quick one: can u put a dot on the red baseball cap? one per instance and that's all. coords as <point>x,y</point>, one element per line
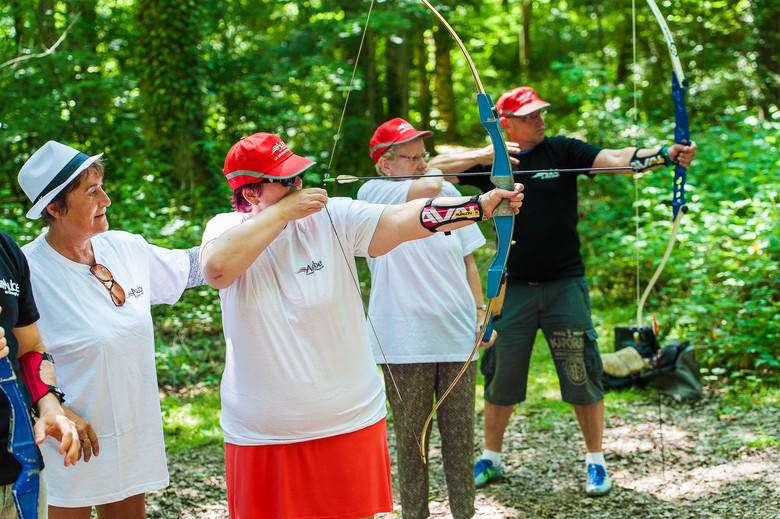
<point>259,156</point>
<point>519,101</point>
<point>394,131</point>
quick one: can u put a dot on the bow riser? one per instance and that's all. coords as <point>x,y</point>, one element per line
<point>681,136</point>
<point>21,445</point>
<point>503,217</point>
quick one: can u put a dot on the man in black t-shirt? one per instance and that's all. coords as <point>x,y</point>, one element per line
<point>19,333</point>
<point>546,286</point>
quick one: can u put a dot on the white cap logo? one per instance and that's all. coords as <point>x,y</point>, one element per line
<point>405,127</point>
<point>278,150</point>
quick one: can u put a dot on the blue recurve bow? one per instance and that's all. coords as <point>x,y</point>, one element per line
<point>21,445</point>
<point>503,216</point>
<point>681,136</point>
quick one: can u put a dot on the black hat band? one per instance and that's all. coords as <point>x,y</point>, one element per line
<point>63,175</point>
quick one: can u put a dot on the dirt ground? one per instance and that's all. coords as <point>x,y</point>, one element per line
<point>714,465</point>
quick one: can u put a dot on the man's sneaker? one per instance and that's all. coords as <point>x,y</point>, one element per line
<point>598,481</point>
<point>484,471</point>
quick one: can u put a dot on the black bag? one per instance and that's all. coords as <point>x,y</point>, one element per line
<point>677,372</point>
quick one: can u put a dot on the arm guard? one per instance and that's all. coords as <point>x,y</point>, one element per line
<point>30,368</point>
<point>657,158</point>
<point>434,216</point>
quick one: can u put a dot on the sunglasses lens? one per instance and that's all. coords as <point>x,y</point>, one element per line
<point>117,294</point>
<point>101,273</point>
<point>104,275</point>
<point>285,182</point>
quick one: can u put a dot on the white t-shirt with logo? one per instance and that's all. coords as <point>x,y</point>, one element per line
<point>298,366</point>
<point>104,359</point>
<point>421,304</point>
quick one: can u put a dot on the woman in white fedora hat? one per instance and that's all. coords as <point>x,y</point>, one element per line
<point>94,290</point>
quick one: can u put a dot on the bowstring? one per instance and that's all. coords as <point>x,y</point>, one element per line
<point>634,74</point>
<point>641,297</point>
<point>353,272</point>
<point>349,91</point>
<point>356,282</point>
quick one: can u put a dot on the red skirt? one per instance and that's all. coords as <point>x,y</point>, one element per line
<point>341,477</point>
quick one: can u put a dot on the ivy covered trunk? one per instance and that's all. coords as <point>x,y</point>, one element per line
<point>169,68</point>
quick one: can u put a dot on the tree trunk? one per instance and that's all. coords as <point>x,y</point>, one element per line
<point>16,9</point>
<point>525,36</point>
<point>624,60</point>
<point>423,84</point>
<point>442,79</point>
<point>84,28</point>
<point>44,18</point>
<point>397,54</point>
<point>766,14</point>
<point>600,32</point>
<point>169,72</point>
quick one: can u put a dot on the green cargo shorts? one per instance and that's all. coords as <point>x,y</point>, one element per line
<point>561,309</point>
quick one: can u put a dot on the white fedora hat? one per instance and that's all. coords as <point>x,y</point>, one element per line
<point>48,171</point>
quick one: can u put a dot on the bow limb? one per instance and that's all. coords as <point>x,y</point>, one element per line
<point>681,136</point>
<point>681,128</point>
<point>21,445</point>
<point>440,400</point>
<point>503,216</point>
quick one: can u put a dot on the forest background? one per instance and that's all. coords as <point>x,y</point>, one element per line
<point>165,87</point>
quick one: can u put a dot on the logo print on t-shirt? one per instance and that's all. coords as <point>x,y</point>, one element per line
<point>11,288</point>
<point>136,292</point>
<point>310,269</point>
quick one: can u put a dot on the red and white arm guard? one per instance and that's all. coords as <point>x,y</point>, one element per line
<point>434,216</point>
<point>30,367</point>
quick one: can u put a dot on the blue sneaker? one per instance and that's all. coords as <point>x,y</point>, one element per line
<point>598,483</point>
<point>484,471</point>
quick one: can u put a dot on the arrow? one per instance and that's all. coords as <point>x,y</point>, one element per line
<point>347,179</point>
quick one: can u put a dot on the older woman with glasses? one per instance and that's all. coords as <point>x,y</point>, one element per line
<point>426,301</point>
<point>94,290</point>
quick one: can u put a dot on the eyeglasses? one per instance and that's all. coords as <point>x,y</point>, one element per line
<point>414,158</point>
<point>104,276</point>
<point>285,182</point>
<point>530,117</point>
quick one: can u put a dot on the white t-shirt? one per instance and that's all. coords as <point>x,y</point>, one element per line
<point>421,304</point>
<point>297,365</point>
<point>104,358</point>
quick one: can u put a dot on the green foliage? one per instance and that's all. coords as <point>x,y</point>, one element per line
<point>190,346</point>
<point>191,420</point>
<point>720,289</point>
<point>165,88</point>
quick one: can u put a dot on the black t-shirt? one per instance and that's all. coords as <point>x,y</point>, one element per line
<point>547,245</point>
<point>16,300</point>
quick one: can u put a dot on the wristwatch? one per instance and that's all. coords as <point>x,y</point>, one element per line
<point>58,392</point>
